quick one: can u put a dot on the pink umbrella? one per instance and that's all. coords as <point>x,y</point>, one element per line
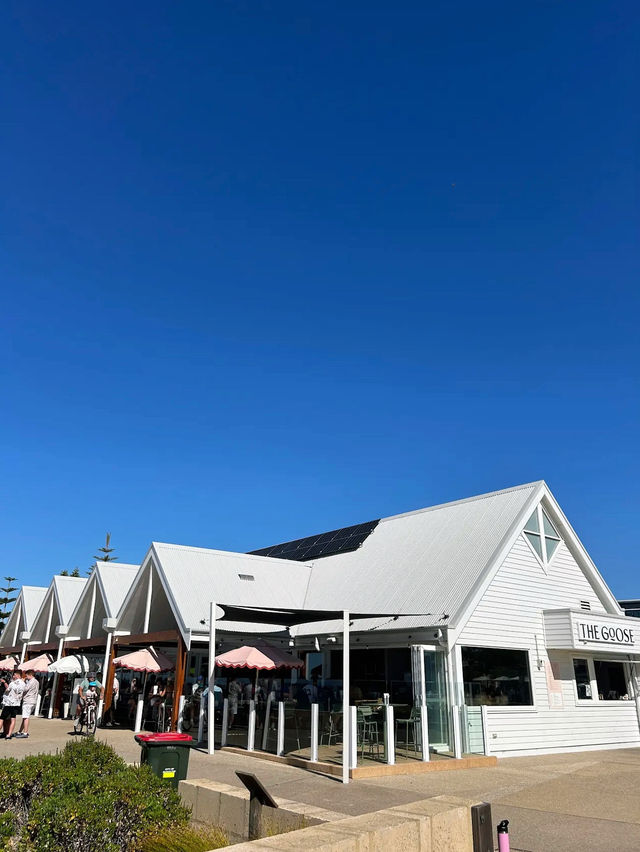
<point>8,664</point>
<point>38,664</point>
<point>146,660</point>
<point>262,657</point>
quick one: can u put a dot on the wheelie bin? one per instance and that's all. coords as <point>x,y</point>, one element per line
<point>167,755</point>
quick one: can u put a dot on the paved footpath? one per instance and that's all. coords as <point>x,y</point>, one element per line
<point>583,802</point>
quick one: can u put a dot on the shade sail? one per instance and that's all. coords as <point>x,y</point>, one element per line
<point>261,657</point>
<point>38,664</point>
<point>8,664</point>
<point>73,664</point>
<point>146,660</point>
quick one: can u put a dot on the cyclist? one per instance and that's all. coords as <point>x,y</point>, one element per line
<point>90,679</point>
<point>90,695</point>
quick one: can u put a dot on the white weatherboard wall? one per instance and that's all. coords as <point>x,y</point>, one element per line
<point>510,615</point>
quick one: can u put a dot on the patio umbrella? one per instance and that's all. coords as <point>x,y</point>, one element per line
<point>261,657</point>
<point>8,664</point>
<point>73,664</point>
<point>40,664</point>
<point>145,660</point>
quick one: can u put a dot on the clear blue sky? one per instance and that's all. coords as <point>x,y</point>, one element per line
<point>272,268</point>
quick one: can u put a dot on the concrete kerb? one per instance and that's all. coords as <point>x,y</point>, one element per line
<point>439,824</point>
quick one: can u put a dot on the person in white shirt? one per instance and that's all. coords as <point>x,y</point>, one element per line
<point>116,692</point>
<point>11,701</point>
<point>29,699</point>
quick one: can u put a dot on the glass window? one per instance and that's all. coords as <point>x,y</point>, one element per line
<point>611,680</point>
<point>583,680</point>
<point>496,676</point>
<point>542,535</point>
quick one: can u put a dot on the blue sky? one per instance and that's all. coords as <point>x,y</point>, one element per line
<point>270,269</point>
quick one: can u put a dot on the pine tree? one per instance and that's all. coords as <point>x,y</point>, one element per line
<point>6,600</point>
<point>105,552</point>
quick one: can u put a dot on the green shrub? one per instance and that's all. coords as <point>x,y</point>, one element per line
<point>184,839</point>
<point>86,796</point>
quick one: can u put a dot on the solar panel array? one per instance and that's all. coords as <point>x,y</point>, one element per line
<point>319,546</point>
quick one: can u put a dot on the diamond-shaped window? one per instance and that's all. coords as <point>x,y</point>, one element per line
<point>542,535</point>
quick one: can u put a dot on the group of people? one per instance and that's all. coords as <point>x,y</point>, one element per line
<point>19,696</point>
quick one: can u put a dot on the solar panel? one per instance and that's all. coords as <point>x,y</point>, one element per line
<point>343,540</point>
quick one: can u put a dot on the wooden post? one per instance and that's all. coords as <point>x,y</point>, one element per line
<point>108,686</point>
<point>178,685</point>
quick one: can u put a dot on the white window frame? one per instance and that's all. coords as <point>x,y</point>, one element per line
<point>544,564</point>
<point>595,695</point>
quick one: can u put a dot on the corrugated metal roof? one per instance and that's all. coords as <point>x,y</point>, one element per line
<point>196,576</point>
<point>68,591</point>
<point>116,579</point>
<point>421,562</point>
<point>26,608</point>
<point>32,598</point>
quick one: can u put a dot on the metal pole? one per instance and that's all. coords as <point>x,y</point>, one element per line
<point>424,733</point>
<point>484,713</point>
<point>314,733</point>
<point>390,740</point>
<point>351,721</point>
<point>211,704</point>
<point>201,719</point>
<point>225,722</point>
<point>267,715</point>
<point>251,731</point>
<point>346,675</point>
<point>280,738</point>
<point>138,722</point>
<point>180,714</point>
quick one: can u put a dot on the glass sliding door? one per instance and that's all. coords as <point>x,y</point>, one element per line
<point>429,672</point>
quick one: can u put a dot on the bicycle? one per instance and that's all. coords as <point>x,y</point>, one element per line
<point>88,718</point>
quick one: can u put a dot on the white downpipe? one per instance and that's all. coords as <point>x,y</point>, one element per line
<point>225,722</point>
<point>280,737</point>
<point>390,740</point>
<point>105,673</point>
<point>314,733</point>
<point>211,698</point>
<point>346,677</point>
<point>424,733</point>
<point>54,688</point>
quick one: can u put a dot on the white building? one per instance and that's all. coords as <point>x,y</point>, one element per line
<point>495,618</point>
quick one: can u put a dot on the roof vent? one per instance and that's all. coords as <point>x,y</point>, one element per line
<point>585,605</point>
<point>246,576</point>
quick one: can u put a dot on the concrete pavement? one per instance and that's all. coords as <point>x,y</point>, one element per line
<point>582,802</point>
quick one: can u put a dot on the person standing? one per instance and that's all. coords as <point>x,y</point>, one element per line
<point>29,700</point>
<point>11,701</point>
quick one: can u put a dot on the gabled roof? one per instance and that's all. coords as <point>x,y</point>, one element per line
<point>115,580</point>
<point>24,611</point>
<point>192,577</point>
<point>101,598</point>
<point>424,561</point>
<point>63,593</point>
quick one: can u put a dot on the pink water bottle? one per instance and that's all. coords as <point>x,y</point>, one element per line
<point>503,836</point>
